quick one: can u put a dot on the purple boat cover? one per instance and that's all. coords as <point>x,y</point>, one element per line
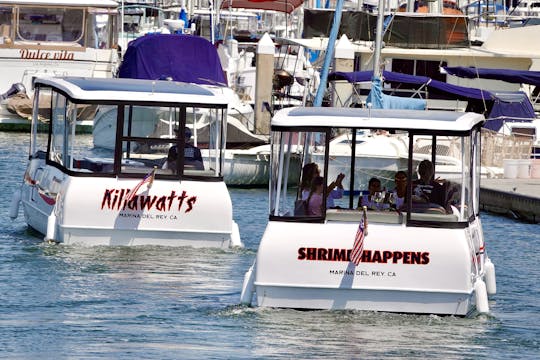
<point>506,106</point>
<point>508,75</point>
<point>453,91</point>
<point>185,58</point>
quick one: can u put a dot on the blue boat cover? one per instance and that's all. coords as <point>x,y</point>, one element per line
<point>184,58</point>
<point>508,75</point>
<point>453,91</point>
<point>506,106</point>
<point>379,100</point>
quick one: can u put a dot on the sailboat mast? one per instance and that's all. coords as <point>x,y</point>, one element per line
<point>329,53</point>
<point>378,41</point>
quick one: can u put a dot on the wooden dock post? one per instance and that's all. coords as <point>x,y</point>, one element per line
<point>343,61</point>
<point>263,79</point>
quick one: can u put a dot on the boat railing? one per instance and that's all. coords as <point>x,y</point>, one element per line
<point>497,147</point>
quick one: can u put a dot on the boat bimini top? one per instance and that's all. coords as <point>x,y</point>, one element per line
<point>377,119</point>
<point>133,90</point>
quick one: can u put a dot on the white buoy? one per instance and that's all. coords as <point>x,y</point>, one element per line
<point>248,287</point>
<point>51,227</point>
<point>14,207</point>
<point>480,291</point>
<point>491,284</point>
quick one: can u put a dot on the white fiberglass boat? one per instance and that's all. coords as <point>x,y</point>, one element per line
<point>52,38</point>
<point>425,256</point>
<point>138,193</point>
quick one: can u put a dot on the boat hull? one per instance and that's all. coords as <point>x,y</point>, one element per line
<point>399,301</point>
<point>403,269</point>
<point>95,210</point>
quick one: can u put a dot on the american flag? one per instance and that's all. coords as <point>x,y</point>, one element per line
<point>358,247</point>
<point>147,179</point>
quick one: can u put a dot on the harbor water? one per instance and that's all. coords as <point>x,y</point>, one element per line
<point>182,303</point>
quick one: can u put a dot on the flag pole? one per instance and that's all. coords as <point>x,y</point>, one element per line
<point>364,215</point>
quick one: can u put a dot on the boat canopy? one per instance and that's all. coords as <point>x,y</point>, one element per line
<point>508,75</point>
<point>510,106</point>
<point>188,58</point>
<point>404,30</point>
<point>96,89</point>
<point>287,6</point>
<point>449,121</point>
<point>459,92</point>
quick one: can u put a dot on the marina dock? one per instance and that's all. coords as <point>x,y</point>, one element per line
<point>519,198</point>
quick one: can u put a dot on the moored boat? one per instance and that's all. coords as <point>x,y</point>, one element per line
<point>421,254</point>
<point>142,191</point>
<point>52,38</point>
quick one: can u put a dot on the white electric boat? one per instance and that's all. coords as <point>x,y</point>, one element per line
<point>425,256</point>
<point>138,193</point>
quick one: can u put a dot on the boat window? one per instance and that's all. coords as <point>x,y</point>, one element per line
<point>440,185</point>
<point>101,29</point>
<point>179,140</point>
<point>6,19</point>
<point>60,130</point>
<point>40,128</point>
<point>50,24</point>
<point>375,174</point>
<point>298,174</point>
<point>476,166</point>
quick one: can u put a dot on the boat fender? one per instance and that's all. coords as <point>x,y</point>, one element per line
<point>51,227</point>
<point>235,236</point>
<point>491,284</point>
<point>15,201</point>
<point>248,287</point>
<point>481,296</point>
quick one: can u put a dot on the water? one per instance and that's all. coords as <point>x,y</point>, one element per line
<point>161,303</point>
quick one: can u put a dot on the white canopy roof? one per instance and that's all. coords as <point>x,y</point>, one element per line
<point>377,119</point>
<point>135,90</point>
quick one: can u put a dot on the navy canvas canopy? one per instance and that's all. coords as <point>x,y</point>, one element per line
<point>185,58</point>
<point>508,75</point>
<point>505,106</point>
<point>453,91</point>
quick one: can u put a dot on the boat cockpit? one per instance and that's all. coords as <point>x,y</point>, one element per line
<point>412,168</point>
<point>147,127</point>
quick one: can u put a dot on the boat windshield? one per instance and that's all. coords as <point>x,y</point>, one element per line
<point>398,176</point>
<point>160,138</point>
<point>69,26</point>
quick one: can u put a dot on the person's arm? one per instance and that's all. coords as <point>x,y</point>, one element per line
<point>336,187</point>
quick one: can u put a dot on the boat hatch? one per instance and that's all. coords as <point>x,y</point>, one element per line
<point>397,157</point>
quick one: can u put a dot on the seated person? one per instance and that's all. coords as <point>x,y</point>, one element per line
<point>315,197</point>
<point>369,200</point>
<point>192,154</point>
<point>426,190</point>
<point>334,190</point>
<point>399,193</point>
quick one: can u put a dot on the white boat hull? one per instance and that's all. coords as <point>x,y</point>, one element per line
<point>399,301</point>
<point>93,211</point>
<point>404,269</point>
<point>250,167</point>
